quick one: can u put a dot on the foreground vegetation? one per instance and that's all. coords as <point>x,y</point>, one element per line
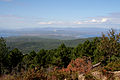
<point>63,62</point>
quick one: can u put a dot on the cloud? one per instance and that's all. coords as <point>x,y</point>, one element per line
<point>115,15</point>
<point>17,22</point>
<point>104,20</point>
<point>111,20</point>
<point>51,22</point>
<point>43,23</point>
<point>92,21</point>
<point>11,16</point>
<point>114,18</point>
<point>78,22</point>
<point>6,0</point>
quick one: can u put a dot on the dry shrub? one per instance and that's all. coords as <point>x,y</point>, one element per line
<point>80,65</point>
<point>35,75</point>
<point>108,74</point>
<point>61,75</point>
<point>29,75</point>
<point>90,77</point>
<point>75,67</point>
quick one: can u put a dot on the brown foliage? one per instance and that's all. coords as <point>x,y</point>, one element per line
<point>80,65</point>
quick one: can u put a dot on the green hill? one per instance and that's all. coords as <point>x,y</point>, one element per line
<point>27,44</point>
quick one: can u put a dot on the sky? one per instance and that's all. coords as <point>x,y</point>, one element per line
<point>25,14</point>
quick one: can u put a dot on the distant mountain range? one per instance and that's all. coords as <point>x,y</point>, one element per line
<point>55,33</point>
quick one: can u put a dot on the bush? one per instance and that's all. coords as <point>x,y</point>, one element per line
<point>81,65</point>
<point>90,77</point>
<point>61,75</point>
<point>113,66</point>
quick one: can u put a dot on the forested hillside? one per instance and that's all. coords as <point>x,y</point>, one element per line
<point>26,44</point>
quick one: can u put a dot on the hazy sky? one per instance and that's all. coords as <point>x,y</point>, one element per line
<point>17,14</point>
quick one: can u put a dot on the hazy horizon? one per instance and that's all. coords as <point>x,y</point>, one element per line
<point>56,33</point>
<point>66,18</point>
<point>25,14</point>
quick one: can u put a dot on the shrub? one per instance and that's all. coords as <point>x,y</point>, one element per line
<point>61,75</point>
<point>80,65</point>
<point>113,66</point>
<point>109,45</point>
<point>90,77</point>
<point>35,75</point>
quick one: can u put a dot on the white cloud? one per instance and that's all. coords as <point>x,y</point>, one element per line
<point>51,22</point>
<point>45,22</point>
<point>93,20</point>
<point>79,22</point>
<point>104,20</point>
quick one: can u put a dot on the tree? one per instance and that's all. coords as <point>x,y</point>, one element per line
<point>110,45</point>
<point>3,53</point>
<point>63,55</point>
<point>28,59</point>
<point>77,51</point>
<point>14,57</point>
<point>87,48</point>
<point>32,54</point>
<point>40,58</point>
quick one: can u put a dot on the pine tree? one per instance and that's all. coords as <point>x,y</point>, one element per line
<point>3,54</point>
